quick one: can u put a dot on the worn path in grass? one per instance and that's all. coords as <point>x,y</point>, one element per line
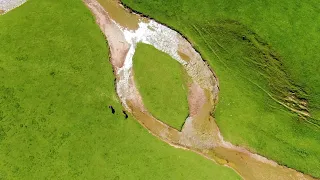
<point>200,132</point>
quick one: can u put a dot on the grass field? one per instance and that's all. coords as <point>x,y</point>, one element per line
<point>161,82</point>
<point>265,54</point>
<point>56,86</point>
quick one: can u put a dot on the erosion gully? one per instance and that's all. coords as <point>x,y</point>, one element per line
<point>200,133</point>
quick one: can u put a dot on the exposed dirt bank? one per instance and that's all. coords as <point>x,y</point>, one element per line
<point>123,30</point>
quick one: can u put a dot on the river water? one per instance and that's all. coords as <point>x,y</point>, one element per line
<point>123,30</point>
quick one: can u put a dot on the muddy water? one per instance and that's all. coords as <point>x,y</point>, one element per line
<point>200,133</point>
<point>243,163</point>
<point>183,56</point>
<point>119,14</point>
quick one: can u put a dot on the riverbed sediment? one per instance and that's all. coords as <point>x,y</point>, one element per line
<point>8,5</point>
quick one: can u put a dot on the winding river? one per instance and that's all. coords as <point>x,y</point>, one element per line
<point>200,134</point>
<point>123,30</point>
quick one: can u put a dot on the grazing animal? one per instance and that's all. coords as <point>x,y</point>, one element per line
<point>125,114</point>
<point>112,110</point>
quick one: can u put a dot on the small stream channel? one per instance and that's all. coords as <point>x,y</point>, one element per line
<point>123,30</point>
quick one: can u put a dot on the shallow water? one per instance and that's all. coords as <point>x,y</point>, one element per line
<point>183,56</point>
<point>119,14</point>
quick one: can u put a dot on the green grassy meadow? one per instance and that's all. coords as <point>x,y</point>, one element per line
<point>266,55</point>
<point>56,86</point>
<point>161,82</point>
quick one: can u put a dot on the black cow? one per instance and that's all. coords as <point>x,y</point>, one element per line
<point>125,114</point>
<point>112,110</point>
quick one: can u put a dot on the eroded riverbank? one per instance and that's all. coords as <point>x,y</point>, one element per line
<point>123,30</point>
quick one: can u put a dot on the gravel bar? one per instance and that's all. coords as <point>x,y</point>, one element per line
<point>7,5</point>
